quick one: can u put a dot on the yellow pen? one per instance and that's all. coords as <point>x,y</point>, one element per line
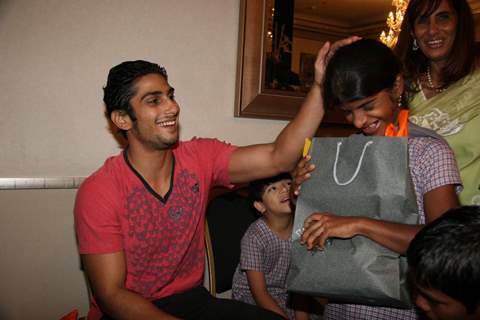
<point>306,146</point>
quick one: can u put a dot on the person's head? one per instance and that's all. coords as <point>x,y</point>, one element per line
<point>444,265</point>
<point>364,80</point>
<point>139,100</point>
<point>270,196</point>
<point>443,31</point>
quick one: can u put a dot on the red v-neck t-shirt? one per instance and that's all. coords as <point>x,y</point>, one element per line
<point>162,237</point>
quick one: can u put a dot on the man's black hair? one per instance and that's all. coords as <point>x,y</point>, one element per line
<point>445,256</point>
<point>120,87</point>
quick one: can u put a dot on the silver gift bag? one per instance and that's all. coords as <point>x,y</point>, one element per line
<point>355,176</point>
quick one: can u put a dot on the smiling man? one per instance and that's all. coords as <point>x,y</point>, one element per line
<point>140,217</point>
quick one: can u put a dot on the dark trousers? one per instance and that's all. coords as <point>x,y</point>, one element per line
<point>199,304</point>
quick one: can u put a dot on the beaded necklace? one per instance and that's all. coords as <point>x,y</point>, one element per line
<point>430,82</point>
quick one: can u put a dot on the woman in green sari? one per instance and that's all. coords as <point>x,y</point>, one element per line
<point>436,45</point>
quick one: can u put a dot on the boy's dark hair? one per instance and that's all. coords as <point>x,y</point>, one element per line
<point>121,82</point>
<point>445,256</point>
<point>359,70</point>
<point>257,187</point>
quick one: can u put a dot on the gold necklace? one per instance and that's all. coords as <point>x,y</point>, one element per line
<point>430,82</point>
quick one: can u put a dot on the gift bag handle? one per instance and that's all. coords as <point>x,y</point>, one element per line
<point>339,144</point>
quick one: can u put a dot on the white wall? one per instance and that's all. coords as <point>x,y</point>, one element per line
<point>40,275</point>
<point>55,56</point>
<point>54,60</point>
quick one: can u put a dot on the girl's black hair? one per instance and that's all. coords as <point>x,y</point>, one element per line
<point>359,70</point>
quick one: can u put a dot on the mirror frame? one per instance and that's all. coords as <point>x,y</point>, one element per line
<point>250,101</point>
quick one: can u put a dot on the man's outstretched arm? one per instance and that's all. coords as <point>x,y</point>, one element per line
<point>263,160</point>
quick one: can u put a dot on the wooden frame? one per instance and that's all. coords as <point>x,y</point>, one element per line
<point>251,100</point>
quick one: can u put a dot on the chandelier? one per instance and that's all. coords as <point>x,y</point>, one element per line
<point>394,23</point>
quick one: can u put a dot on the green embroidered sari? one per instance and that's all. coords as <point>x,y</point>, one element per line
<point>455,114</point>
